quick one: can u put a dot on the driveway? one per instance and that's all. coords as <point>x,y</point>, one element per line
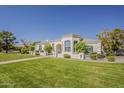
<point>119,58</point>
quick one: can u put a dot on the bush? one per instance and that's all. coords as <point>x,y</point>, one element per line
<point>37,53</point>
<point>100,56</point>
<point>24,50</point>
<point>48,48</point>
<point>1,49</point>
<point>110,54</point>
<point>111,58</point>
<point>93,56</point>
<point>67,56</point>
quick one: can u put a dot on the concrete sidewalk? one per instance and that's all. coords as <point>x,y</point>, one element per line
<point>19,60</point>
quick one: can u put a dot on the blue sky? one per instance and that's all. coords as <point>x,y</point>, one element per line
<point>51,22</point>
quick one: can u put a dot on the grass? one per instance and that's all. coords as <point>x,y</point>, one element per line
<point>14,56</point>
<point>56,72</point>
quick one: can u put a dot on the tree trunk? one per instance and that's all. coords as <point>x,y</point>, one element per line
<point>6,51</point>
<point>84,56</point>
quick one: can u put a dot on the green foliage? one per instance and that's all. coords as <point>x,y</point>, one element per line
<point>31,47</point>
<point>112,41</point>
<point>110,53</point>
<point>93,56</point>
<point>26,43</point>
<point>67,56</point>
<point>48,48</point>
<point>37,53</point>
<point>18,48</point>
<point>1,45</point>
<point>111,58</point>
<point>100,56</point>
<point>80,47</point>
<point>24,50</point>
<point>7,40</point>
<point>1,49</point>
<point>89,50</point>
<point>27,46</point>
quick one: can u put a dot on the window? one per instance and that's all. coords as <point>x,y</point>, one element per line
<point>67,46</point>
<point>89,49</point>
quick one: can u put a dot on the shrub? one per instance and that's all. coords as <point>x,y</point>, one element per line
<point>111,58</point>
<point>93,56</point>
<point>100,56</point>
<point>31,48</point>
<point>80,47</point>
<point>67,56</point>
<point>24,50</point>
<point>37,53</point>
<point>1,49</point>
<point>110,54</point>
<point>48,48</point>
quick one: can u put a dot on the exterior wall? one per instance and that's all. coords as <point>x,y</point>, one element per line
<point>71,40</point>
<point>96,47</point>
<point>56,43</point>
<point>75,56</point>
<point>37,47</point>
<point>40,47</point>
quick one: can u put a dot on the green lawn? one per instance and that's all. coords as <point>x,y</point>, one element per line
<point>52,72</point>
<point>14,56</point>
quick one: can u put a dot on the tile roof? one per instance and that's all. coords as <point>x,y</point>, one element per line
<point>91,41</point>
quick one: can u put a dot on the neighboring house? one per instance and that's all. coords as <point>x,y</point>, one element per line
<point>65,45</point>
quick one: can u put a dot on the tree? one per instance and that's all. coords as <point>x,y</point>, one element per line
<point>32,47</point>
<point>18,48</point>
<point>1,45</point>
<point>80,47</point>
<point>27,46</point>
<point>26,43</point>
<point>7,40</point>
<point>24,50</point>
<point>48,48</point>
<point>112,41</point>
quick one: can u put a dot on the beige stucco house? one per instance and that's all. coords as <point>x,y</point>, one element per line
<point>65,45</point>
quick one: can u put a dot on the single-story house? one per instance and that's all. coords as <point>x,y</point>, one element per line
<point>65,45</point>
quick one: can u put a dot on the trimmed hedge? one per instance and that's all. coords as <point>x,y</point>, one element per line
<point>67,56</point>
<point>93,56</point>
<point>37,53</point>
<point>111,58</point>
<point>100,56</point>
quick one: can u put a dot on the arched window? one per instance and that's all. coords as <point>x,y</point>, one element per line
<point>58,48</point>
<point>67,45</point>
